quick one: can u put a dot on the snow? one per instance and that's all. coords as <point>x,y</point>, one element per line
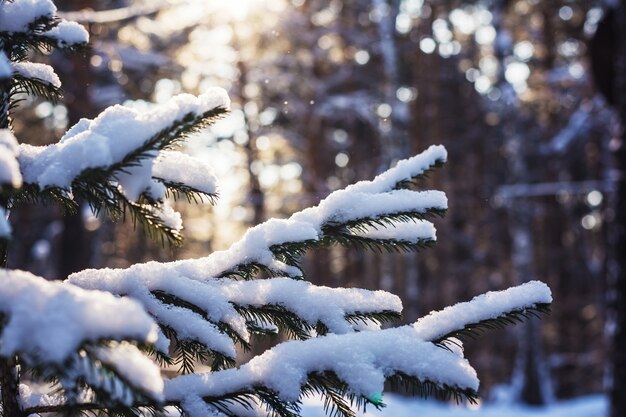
<point>41,72</point>
<point>6,68</point>
<point>363,360</point>
<point>49,321</point>
<point>108,139</point>
<point>413,232</point>
<point>9,167</point>
<point>131,364</point>
<point>366,199</point>
<point>16,16</point>
<point>68,34</point>
<point>486,306</point>
<point>349,205</point>
<point>217,299</point>
<point>177,167</point>
<point>170,217</point>
<point>5,227</point>
<point>313,304</point>
<point>404,170</point>
<point>399,406</point>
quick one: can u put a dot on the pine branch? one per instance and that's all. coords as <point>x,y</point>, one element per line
<point>251,399</point>
<point>414,182</point>
<point>193,195</point>
<point>95,410</point>
<point>259,318</point>
<point>383,220</point>
<point>250,270</point>
<point>152,224</point>
<point>428,389</point>
<point>31,194</point>
<point>85,372</point>
<point>381,245</point>
<point>378,317</point>
<point>187,352</point>
<point>291,252</point>
<point>94,184</point>
<point>35,87</point>
<point>338,400</point>
<point>21,44</point>
<point>475,330</point>
<point>104,197</point>
<point>334,233</point>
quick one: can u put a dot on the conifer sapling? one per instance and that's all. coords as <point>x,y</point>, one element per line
<point>96,343</point>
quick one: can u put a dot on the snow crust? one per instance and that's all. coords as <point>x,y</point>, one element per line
<point>486,306</point>
<point>108,139</point>
<point>48,321</point>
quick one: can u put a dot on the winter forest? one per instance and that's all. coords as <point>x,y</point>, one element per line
<point>312,208</point>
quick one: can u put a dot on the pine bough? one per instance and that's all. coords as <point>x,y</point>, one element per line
<point>97,343</point>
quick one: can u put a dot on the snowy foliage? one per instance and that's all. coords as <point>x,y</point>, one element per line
<point>97,341</point>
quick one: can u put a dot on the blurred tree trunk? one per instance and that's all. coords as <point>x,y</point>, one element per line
<point>618,399</point>
<point>76,75</point>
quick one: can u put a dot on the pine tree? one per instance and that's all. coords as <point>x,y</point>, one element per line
<point>96,343</point>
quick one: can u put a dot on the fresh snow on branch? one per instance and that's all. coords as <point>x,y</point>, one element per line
<point>19,16</point>
<point>47,321</point>
<point>403,171</point>
<point>68,34</point>
<point>217,298</point>
<point>482,307</point>
<point>108,139</point>
<point>412,232</point>
<point>177,167</point>
<point>366,199</point>
<point>362,360</point>
<point>37,71</point>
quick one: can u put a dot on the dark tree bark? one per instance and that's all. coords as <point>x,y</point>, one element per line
<point>75,72</point>
<point>608,57</point>
<point>618,399</point>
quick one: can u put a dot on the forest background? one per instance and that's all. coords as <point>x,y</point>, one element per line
<point>326,93</point>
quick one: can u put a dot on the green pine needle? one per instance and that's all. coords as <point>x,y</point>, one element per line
<point>35,87</point>
<point>414,182</point>
<point>428,389</point>
<point>177,189</point>
<point>475,330</point>
<point>258,318</point>
<point>378,317</point>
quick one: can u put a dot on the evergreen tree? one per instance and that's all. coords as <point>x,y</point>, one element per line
<point>96,343</point>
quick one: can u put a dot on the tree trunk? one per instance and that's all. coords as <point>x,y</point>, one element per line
<point>618,399</point>
<point>10,388</point>
<point>76,74</point>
